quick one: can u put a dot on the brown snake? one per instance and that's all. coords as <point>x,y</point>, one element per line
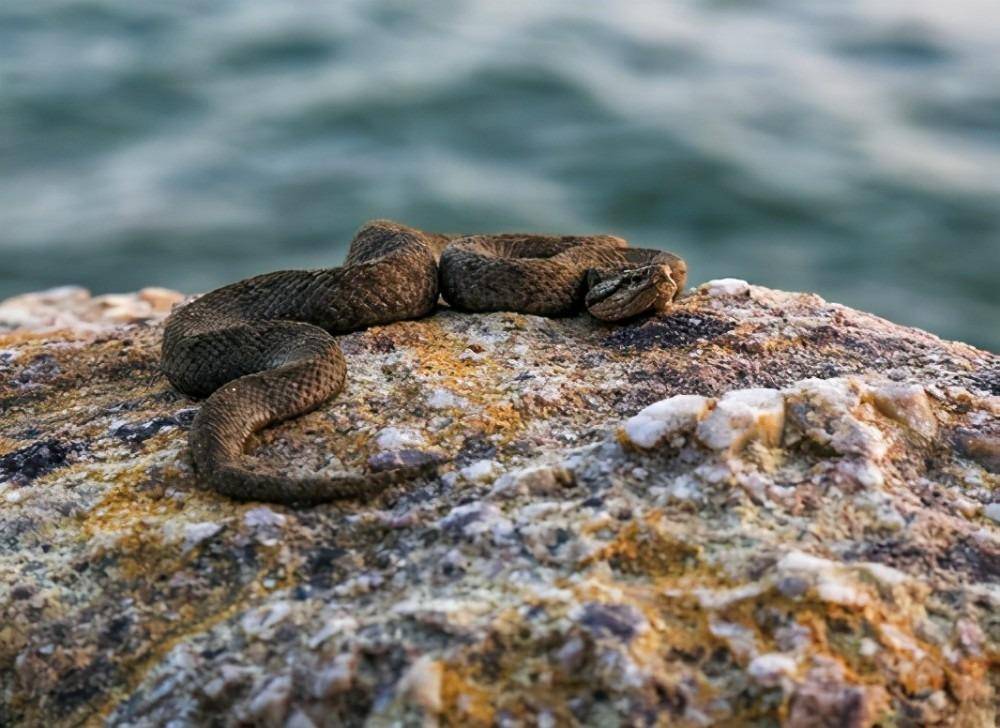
<point>263,349</point>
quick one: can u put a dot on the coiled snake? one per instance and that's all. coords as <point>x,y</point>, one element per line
<point>263,349</point>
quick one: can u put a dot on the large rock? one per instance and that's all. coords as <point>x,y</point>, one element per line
<point>622,533</point>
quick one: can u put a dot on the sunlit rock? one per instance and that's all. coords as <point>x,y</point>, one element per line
<point>754,508</point>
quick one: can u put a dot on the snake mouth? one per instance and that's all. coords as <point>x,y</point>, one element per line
<point>629,293</point>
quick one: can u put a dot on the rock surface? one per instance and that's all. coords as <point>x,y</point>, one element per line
<point>759,508</point>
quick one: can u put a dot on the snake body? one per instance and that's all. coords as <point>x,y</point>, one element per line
<point>263,349</point>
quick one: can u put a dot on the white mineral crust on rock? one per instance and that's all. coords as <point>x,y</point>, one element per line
<point>725,287</point>
<point>397,438</point>
<point>662,421</point>
<point>768,669</point>
<point>742,416</point>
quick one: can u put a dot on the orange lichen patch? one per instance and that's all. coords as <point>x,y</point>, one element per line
<point>142,557</point>
<point>125,502</point>
<point>135,517</point>
<point>524,668</point>
<point>681,622</point>
<point>21,337</point>
<point>506,675</point>
<point>649,547</point>
<point>439,357</point>
<point>464,702</point>
<point>968,680</point>
<point>501,417</point>
<point>836,633</point>
<point>439,354</point>
<point>916,664</point>
<point>7,445</point>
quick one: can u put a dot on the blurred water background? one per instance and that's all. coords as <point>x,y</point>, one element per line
<point>850,148</point>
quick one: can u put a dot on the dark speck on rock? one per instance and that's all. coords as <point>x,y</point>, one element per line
<point>989,380</point>
<point>115,632</point>
<point>392,459</point>
<point>665,332</point>
<point>42,367</point>
<point>475,447</point>
<point>793,586</point>
<point>24,465</point>
<point>321,563</point>
<point>144,430</point>
<point>562,536</point>
<point>22,591</point>
<point>384,344</point>
<point>619,620</point>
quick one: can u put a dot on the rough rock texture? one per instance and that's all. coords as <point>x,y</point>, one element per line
<point>757,509</point>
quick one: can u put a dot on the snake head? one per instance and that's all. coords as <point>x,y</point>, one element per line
<point>622,294</point>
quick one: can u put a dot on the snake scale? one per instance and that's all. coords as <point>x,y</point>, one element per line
<point>263,349</point>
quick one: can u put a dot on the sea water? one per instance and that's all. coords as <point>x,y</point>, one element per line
<point>848,148</point>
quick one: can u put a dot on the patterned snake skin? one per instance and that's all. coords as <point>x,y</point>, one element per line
<point>263,350</point>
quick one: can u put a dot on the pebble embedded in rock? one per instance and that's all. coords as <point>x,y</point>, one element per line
<point>742,416</point>
<point>826,412</point>
<point>540,480</point>
<point>983,448</point>
<point>622,621</point>
<point>196,533</point>
<point>397,438</point>
<point>392,459</point>
<point>422,683</point>
<point>770,668</point>
<point>992,511</point>
<point>662,421</point>
<point>725,287</point>
<point>908,404</point>
<point>824,699</point>
<point>445,399</point>
<point>480,471</point>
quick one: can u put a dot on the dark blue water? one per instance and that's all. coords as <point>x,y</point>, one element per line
<point>851,148</point>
